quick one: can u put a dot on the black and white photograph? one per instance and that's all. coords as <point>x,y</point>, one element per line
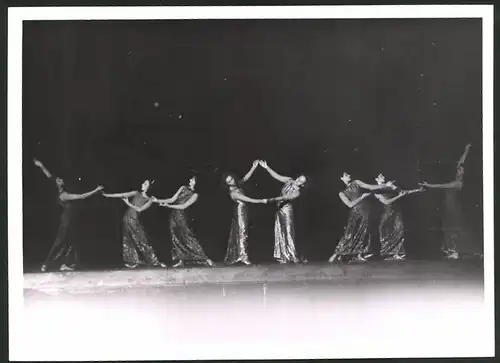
<point>272,182</point>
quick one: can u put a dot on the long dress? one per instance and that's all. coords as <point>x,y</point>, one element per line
<point>238,236</point>
<point>284,228</point>
<point>356,238</point>
<point>185,246</point>
<point>456,236</point>
<point>63,250</point>
<point>391,230</point>
<point>136,248</point>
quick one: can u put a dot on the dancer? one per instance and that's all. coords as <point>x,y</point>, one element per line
<point>238,236</point>
<point>391,227</point>
<point>136,249</point>
<point>284,227</point>
<point>185,246</point>
<point>356,239</point>
<point>457,241</point>
<point>63,250</point>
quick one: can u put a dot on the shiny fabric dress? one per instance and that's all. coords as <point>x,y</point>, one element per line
<point>185,246</point>
<point>356,239</point>
<point>136,249</point>
<point>456,236</point>
<point>284,228</point>
<point>391,230</point>
<point>238,236</point>
<point>63,251</point>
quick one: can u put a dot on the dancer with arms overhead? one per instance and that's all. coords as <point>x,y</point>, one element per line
<point>185,246</point>
<point>284,226</point>
<point>63,251</point>
<point>136,249</point>
<point>238,236</point>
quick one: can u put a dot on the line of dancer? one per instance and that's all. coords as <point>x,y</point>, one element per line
<point>354,246</point>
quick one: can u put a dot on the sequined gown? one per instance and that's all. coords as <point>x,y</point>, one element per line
<point>238,236</point>
<point>185,246</point>
<point>456,236</point>
<point>63,251</point>
<point>356,238</point>
<point>284,228</point>
<point>391,230</point>
<point>136,249</point>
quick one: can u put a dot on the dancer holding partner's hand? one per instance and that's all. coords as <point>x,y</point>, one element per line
<point>136,249</point>
<point>284,224</point>
<point>63,251</point>
<point>238,236</point>
<point>185,245</point>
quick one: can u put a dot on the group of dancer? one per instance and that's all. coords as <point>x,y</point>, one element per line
<point>354,246</point>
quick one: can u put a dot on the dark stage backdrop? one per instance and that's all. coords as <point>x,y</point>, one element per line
<point>116,102</point>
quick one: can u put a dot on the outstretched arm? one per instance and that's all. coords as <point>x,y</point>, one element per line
<point>244,198</point>
<point>189,203</point>
<point>42,167</point>
<point>285,197</point>
<point>138,209</point>
<point>372,187</point>
<point>275,175</point>
<point>120,195</point>
<point>388,201</point>
<point>250,172</point>
<point>456,184</point>
<point>71,196</point>
<point>171,199</point>
<point>352,204</point>
<point>464,155</point>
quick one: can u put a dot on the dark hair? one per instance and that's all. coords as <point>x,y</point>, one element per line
<point>308,181</point>
<point>226,175</point>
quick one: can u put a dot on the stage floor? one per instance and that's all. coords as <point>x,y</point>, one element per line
<point>378,309</point>
<point>89,281</point>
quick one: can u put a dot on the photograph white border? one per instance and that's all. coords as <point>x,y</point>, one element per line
<point>16,16</point>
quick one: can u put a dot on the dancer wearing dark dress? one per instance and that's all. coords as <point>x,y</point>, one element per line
<point>63,251</point>
<point>458,241</point>
<point>185,246</point>
<point>284,228</point>
<point>356,239</point>
<point>136,248</point>
<point>391,227</point>
<point>238,236</point>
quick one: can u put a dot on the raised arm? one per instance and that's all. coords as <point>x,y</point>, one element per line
<point>250,172</point>
<point>188,203</point>
<point>42,167</point>
<point>72,196</point>
<point>275,175</point>
<point>120,195</point>
<point>352,204</point>
<point>244,198</point>
<point>464,155</point>
<point>171,199</point>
